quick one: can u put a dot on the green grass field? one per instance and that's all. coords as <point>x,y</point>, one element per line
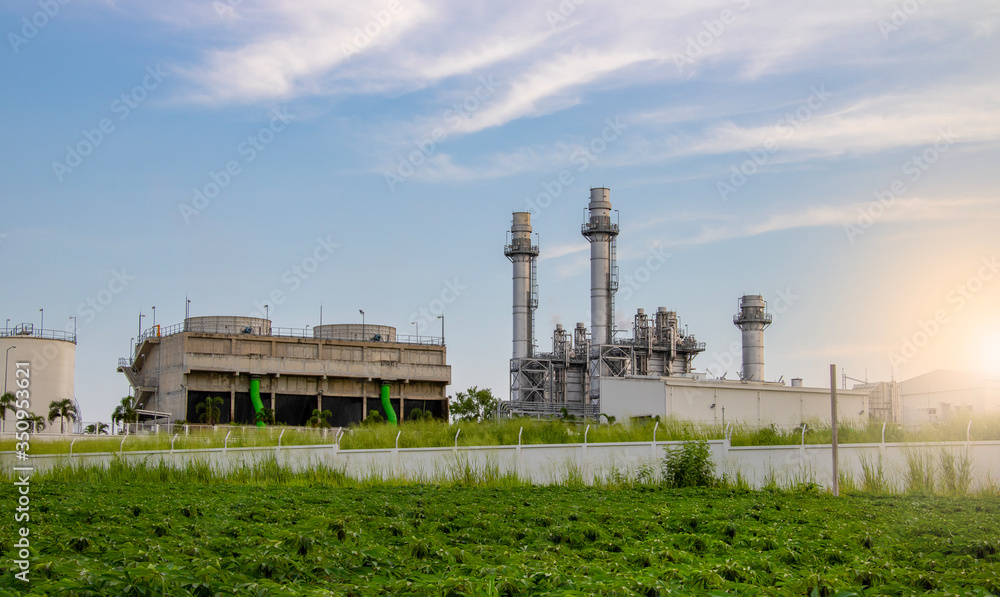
<point>158,531</point>
<point>490,433</point>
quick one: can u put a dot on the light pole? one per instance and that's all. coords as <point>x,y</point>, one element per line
<point>267,312</point>
<point>154,316</point>
<point>73,317</point>
<point>362,325</point>
<point>416,329</point>
<point>441,317</point>
<point>6,326</point>
<point>139,335</point>
<point>41,325</point>
<point>5,357</point>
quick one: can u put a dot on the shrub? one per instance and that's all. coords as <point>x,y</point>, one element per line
<point>689,465</point>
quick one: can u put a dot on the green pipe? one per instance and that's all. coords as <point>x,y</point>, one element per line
<point>390,414</point>
<point>255,397</point>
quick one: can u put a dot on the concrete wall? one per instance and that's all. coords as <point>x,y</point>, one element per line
<point>544,464</point>
<point>704,401</point>
<point>51,373</point>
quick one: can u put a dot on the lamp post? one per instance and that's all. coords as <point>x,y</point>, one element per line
<point>267,312</point>
<point>73,317</point>
<point>441,317</point>
<point>41,324</point>
<point>363,335</point>
<point>5,357</point>
<point>139,335</point>
<point>154,316</point>
<point>416,329</point>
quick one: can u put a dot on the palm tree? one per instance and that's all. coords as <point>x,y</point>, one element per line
<point>97,428</point>
<point>6,402</point>
<point>211,409</point>
<point>125,412</point>
<point>38,421</point>
<point>63,409</point>
<point>266,416</point>
<point>319,418</point>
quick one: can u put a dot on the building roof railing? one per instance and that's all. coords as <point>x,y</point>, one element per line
<point>26,330</point>
<point>179,328</point>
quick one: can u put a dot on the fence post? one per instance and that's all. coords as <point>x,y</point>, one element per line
<point>395,455</point>
<point>520,465</point>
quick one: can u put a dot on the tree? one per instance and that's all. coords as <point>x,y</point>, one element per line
<point>37,420</point>
<point>319,418</point>
<point>125,412</point>
<point>419,414</point>
<point>6,402</point>
<point>210,410</point>
<point>63,409</point>
<point>474,405</point>
<point>97,429</point>
<point>266,416</point>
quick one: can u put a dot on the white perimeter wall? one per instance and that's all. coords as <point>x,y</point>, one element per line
<point>755,404</point>
<point>544,464</point>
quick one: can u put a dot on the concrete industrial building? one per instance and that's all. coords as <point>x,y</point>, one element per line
<point>941,395</point>
<point>52,358</point>
<point>340,368</point>
<point>652,373</point>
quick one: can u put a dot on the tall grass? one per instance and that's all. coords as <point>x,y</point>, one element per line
<point>425,434</point>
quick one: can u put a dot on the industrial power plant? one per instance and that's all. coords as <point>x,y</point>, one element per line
<point>352,370</point>
<point>652,373</point>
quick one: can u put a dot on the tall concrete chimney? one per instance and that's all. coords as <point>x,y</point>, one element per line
<point>752,319</point>
<point>601,233</point>
<point>522,255</point>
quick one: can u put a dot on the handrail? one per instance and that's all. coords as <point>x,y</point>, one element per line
<point>159,331</point>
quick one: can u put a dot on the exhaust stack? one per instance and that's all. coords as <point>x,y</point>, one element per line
<point>523,255</point>
<point>601,234</point>
<point>752,319</point>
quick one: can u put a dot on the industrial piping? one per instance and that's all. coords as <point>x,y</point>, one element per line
<point>390,414</point>
<point>258,406</point>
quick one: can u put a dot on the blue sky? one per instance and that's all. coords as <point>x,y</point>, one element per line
<point>745,144</point>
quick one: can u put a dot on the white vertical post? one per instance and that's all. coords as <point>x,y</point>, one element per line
<point>172,440</point>
<point>225,444</point>
<point>456,438</point>
<point>583,463</point>
<point>833,424</point>
<point>652,446</point>
<point>71,447</point>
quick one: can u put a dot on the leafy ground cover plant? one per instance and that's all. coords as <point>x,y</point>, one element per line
<point>272,532</point>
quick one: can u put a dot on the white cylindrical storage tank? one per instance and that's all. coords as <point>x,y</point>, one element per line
<point>522,254</point>
<point>368,332</point>
<point>796,382</point>
<point>600,233</point>
<point>752,319</point>
<point>226,324</point>
<point>51,358</point>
